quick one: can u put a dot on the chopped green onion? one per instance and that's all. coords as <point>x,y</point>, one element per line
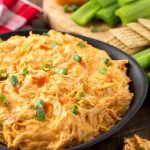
<point>3,75</point>
<point>25,71</point>
<point>79,95</point>
<point>39,104</point>
<point>103,70</point>
<point>61,71</point>
<point>105,60</point>
<point>77,58</point>
<point>74,7</point>
<point>54,44</point>
<point>81,44</point>
<point>48,65</point>
<point>45,34</point>
<point>141,148</point>
<point>40,114</point>
<point>45,68</point>
<point>66,8</point>
<point>94,29</point>
<point>2,99</point>
<point>14,80</point>
<point>1,41</point>
<point>75,109</point>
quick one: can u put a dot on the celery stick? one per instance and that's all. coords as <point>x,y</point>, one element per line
<point>125,2</point>
<point>108,15</point>
<point>106,3</point>
<point>86,12</point>
<point>146,51</point>
<point>133,11</point>
<point>144,60</point>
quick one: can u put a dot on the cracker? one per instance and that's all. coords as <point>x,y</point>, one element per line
<point>129,37</point>
<point>144,22</point>
<point>117,43</point>
<point>141,30</point>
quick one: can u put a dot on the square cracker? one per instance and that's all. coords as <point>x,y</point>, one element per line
<point>144,22</point>
<point>129,37</point>
<point>140,29</point>
<point>117,43</point>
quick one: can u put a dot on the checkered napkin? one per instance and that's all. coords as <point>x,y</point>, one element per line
<point>17,14</point>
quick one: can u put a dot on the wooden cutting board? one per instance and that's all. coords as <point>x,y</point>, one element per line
<point>61,21</point>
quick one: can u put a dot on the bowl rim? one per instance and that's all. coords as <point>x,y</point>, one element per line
<point>132,110</point>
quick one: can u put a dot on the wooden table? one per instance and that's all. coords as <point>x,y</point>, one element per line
<point>139,124</point>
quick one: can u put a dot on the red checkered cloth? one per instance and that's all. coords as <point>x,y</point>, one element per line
<point>17,14</point>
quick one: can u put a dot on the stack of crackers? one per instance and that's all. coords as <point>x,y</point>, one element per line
<point>132,38</point>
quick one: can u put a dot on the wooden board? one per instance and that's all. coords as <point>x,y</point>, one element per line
<point>61,21</point>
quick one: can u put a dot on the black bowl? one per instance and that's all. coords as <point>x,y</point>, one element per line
<point>138,86</point>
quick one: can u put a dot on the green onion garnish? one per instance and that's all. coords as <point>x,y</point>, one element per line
<point>40,114</point>
<point>2,99</point>
<point>81,44</point>
<point>141,148</point>
<point>45,33</point>
<point>25,71</point>
<point>75,109</point>
<point>77,58</point>
<point>79,95</point>
<point>14,80</point>
<point>66,8</point>
<point>3,75</point>
<point>103,70</point>
<point>61,71</point>
<point>47,65</point>
<point>39,104</point>
<point>54,44</point>
<point>94,29</point>
<point>105,60</point>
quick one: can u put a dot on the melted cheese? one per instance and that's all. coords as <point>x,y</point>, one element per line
<point>107,96</point>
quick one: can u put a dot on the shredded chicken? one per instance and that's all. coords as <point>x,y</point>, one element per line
<point>136,143</point>
<point>100,83</point>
